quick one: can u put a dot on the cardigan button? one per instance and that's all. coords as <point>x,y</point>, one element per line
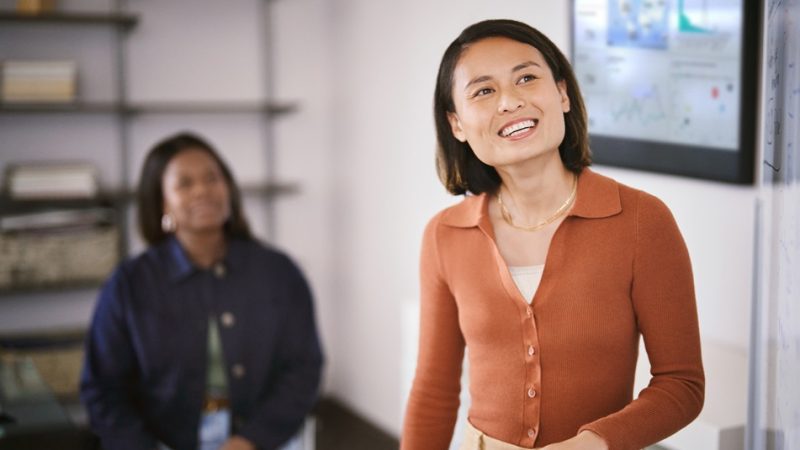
<point>531,392</point>
<point>238,371</point>
<point>531,433</point>
<point>219,270</point>
<point>227,319</point>
<point>531,350</point>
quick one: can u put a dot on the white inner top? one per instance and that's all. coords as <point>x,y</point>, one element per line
<point>527,279</point>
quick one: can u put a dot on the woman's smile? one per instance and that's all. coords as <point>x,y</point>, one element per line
<point>206,207</point>
<point>518,129</point>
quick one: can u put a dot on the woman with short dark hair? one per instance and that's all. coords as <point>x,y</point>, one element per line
<point>206,340</point>
<point>547,271</point>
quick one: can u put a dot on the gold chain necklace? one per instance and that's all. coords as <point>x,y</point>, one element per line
<point>560,211</point>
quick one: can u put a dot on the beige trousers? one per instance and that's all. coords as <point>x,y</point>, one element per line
<point>475,439</point>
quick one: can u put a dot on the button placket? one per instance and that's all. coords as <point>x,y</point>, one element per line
<point>531,416</point>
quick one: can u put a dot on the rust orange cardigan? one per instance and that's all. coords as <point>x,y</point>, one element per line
<point>617,268</point>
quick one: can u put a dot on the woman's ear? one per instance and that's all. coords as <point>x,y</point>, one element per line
<point>455,127</point>
<point>562,89</point>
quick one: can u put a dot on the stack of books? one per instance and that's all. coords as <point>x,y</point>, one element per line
<point>52,181</point>
<point>38,81</point>
<point>48,242</point>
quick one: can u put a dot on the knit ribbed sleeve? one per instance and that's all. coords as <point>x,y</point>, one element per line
<point>664,303</point>
<point>433,401</point>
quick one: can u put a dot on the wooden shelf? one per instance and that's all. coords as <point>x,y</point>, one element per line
<point>109,198</point>
<point>270,189</point>
<point>274,108</point>
<point>38,288</point>
<point>9,205</point>
<point>82,18</point>
<point>46,338</point>
<point>74,107</point>
<point>201,107</point>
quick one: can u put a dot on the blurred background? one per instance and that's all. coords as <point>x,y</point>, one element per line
<point>324,111</point>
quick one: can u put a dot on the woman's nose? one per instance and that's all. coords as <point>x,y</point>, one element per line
<point>201,188</point>
<point>510,101</point>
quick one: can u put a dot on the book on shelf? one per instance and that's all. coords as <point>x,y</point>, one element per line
<point>52,181</point>
<point>35,6</point>
<point>38,81</point>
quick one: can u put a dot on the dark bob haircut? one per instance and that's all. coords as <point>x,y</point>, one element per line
<point>458,167</point>
<point>150,195</point>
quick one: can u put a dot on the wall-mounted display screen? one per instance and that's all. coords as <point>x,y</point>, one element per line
<point>670,85</point>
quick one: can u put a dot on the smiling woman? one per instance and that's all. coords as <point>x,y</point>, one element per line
<point>547,272</point>
<point>207,340</point>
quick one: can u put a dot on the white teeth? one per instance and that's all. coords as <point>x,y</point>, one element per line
<point>508,131</point>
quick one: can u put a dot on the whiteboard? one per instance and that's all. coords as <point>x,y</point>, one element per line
<point>774,422</point>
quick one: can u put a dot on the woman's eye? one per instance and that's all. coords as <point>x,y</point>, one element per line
<point>526,79</point>
<point>484,91</point>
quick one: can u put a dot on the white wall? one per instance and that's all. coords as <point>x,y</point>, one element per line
<point>302,71</point>
<point>385,189</point>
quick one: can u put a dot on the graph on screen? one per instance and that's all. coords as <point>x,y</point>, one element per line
<point>667,71</point>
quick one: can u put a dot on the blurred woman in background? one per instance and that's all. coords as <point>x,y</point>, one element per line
<point>207,339</point>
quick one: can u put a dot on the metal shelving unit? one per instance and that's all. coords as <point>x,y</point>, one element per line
<point>123,111</point>
<point>269,108</point>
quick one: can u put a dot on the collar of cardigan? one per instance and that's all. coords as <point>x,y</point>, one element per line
<point>598,197</point>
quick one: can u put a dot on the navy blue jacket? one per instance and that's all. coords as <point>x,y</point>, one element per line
<point>144,375</point>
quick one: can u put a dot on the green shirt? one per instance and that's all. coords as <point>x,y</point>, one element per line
<point>216,381</point>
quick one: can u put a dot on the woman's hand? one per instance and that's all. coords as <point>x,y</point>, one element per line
<point>237,443</point>
<point>585,440</point>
